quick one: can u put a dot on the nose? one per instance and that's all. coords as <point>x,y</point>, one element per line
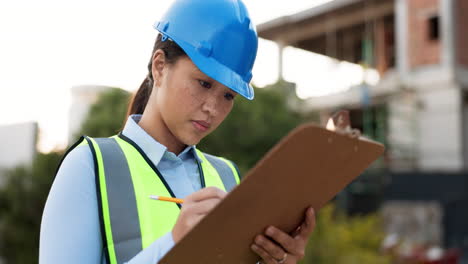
<point>210,105</point>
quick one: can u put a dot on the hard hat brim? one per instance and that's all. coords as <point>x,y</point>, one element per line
<point>217,71</point>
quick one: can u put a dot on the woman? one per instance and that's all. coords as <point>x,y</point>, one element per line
<point>98,210</point>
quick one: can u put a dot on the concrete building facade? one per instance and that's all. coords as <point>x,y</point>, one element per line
<point>17,145</point>
<point>417,47</point>
<point>419,108</point>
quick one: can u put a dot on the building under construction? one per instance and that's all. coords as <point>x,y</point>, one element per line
<point>419,108</point>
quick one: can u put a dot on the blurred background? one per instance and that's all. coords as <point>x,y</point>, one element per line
<point>398,66</point>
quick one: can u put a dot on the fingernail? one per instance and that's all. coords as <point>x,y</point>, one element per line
<point>270,231</point>
<point>258,239</point>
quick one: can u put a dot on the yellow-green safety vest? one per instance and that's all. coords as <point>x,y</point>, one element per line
<point>125,178</point>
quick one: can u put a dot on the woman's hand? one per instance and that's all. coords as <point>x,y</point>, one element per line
<point>276,246</point>
<point>194,208</point>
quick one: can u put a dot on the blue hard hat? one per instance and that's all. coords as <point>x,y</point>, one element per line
<point>219,38</point>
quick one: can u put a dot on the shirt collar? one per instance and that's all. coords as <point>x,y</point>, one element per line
<point>152,148</point>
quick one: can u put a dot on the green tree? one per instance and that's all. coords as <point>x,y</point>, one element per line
<point>22,201</point>
<point>253,127</point>
<point>341,239</point>
<point>106,117</point>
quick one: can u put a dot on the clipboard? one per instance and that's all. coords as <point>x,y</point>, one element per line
<point>306,168</point>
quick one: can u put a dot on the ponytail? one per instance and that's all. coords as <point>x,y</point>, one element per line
<point>172,51</point>
<point>140,98</point>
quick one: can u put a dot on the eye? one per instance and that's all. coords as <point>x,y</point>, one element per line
<point>204,84</point>
<point>229,96</point>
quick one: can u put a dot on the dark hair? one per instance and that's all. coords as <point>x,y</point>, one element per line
<point>173,52</point>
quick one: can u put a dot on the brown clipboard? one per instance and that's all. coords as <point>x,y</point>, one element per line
<point>306,168</point>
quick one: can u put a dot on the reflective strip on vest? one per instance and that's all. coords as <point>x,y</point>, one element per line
<point>121,200</point>
<point>126,179</point>
<point>222,167</point>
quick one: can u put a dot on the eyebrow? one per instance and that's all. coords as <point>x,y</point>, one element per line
<point>197,71</point>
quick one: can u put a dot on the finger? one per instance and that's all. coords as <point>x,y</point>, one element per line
<point>206,193</point>
<point>193,220</point>
<point>296,231</point>
<point>303,225</point>
<point>286,241</point>
<point>355,133</point>
<point>202,207</point>
<point>272,249</point>
<point>267,259</point>
<point>308,225</point>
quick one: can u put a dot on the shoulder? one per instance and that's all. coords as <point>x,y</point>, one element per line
<point>76,166</point>
<point>74,178</point>
<point>79,155</point>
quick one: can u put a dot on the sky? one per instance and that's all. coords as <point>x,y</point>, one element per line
<point>49,46</point>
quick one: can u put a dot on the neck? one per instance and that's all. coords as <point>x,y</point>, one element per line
<point>154,125</point>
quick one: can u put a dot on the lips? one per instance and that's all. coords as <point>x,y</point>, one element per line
<point>201,125</point>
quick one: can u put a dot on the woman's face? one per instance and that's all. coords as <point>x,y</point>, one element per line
<point>190,103</point>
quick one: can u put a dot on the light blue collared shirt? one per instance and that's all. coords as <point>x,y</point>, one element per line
<point>70,228</point>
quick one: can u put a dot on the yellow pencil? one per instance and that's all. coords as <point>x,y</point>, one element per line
<point>167,199</point>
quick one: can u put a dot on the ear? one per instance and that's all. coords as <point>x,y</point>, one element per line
<point>158,63</point>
